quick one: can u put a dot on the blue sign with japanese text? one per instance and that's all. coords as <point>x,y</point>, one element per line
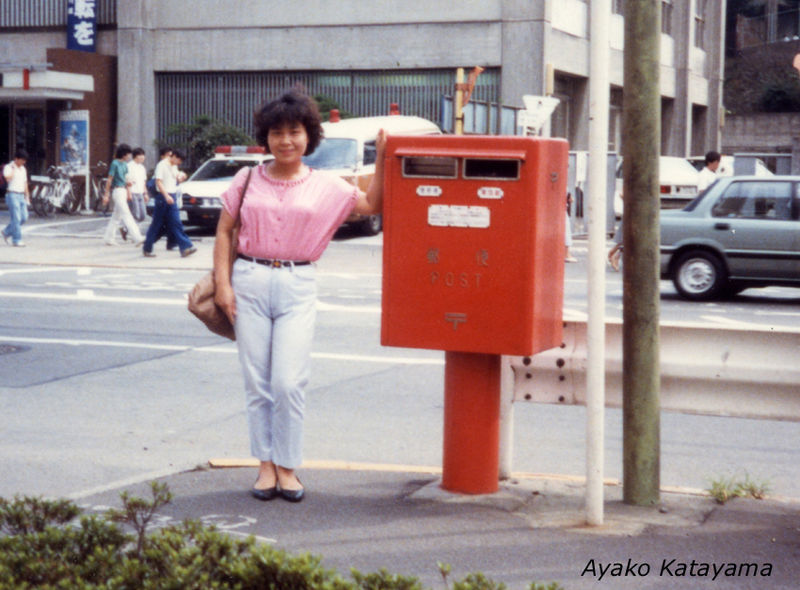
<point>82,25</point>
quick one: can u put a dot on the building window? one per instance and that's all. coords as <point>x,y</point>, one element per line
<point>788,21</point>
<point>618,7</point>
<point>666,17</point>
<point>699,23</point>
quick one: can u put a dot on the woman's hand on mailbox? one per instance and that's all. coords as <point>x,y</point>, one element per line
<point>380,143</point>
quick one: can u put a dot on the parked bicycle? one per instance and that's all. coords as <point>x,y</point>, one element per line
<point>56,195</point>
<point>97,183</point>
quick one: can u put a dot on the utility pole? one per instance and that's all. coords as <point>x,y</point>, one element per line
<point>641,298</point>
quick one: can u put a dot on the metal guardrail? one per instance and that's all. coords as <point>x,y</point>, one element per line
<point>743,372</point>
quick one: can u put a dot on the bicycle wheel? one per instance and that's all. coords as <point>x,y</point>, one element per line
<point>46,200</point>
<point>71,201</point>
<point>37,200</point>
<point>34,204</point>
<point>97,199</point>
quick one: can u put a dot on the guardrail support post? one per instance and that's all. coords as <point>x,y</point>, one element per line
<point>470,461</point>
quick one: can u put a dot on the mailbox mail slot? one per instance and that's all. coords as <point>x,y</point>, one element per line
<point>473,255</point>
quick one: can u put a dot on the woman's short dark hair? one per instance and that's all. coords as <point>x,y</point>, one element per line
<point>292,107</point>
<point>123,150</point>
<point>138,152</point>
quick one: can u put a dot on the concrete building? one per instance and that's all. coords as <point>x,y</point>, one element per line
<point>177,60</point>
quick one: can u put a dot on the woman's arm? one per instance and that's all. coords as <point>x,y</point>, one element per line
<point>371,202</point>
<point>223,245</point>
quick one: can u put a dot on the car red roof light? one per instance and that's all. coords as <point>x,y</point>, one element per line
<point>665,189</point>
<point>239,149</point>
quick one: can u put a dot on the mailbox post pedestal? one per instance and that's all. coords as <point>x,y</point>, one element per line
<point>471,423</point>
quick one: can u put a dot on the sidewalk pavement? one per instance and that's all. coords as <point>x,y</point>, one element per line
<point>375,516</point>
<point>78,240</point>
<point>533,529</point>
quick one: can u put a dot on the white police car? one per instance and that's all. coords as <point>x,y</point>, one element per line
<point>200,193</point>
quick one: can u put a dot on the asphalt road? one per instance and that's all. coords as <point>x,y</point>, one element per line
<point>106,378</point>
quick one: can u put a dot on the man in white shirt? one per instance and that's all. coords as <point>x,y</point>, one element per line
<point>18,197</point>
<point>166,210</point>
<point>708,174</point>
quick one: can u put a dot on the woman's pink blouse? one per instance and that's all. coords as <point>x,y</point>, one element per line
<point>289,220</point>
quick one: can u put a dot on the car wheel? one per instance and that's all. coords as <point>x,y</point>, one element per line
<point>699,275</point>
<point>372,225</point>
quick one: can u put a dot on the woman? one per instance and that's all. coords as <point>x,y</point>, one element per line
<point>117,185</point>
<point>289,215</point>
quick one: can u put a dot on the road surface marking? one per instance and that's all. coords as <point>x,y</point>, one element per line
<point>227,349</point>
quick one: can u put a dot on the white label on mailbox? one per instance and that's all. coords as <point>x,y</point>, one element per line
<point>479,217</point>
<point>439,215</point>
<point>490,192</point>
<point>427,190</point>
<point>458,216</point>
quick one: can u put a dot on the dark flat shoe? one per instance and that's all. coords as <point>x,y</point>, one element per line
<point>265,495</point>
<point>293,495</point>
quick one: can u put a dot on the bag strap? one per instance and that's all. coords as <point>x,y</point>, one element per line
<point>238,225</point>
<point>244,192</point>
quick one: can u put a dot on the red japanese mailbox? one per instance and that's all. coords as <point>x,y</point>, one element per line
<point>473,264</point>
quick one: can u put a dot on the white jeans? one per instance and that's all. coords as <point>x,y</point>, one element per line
<point>275,314</point>
<point>122,214</point>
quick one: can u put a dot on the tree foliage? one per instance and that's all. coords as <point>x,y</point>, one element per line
<point>200,137</point>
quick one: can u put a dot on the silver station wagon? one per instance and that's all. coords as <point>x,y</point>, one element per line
<point>743,231</point>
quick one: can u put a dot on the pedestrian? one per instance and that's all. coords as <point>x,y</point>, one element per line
<point>165,210</point>
<point>568,257</point>
<point>118,188</point>
<point>708,175</point>
<point>287,218</point>
<point>18,197</point>
<point>138,178</point>
<point>615,253</point>
<point>165,152</point>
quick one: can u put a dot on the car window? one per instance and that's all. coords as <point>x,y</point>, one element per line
<point>220,169</point>
<point>755,200</point>
<point>370,153</point>
<point>334,153</point>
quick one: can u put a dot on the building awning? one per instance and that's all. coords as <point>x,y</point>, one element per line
<point>25,84</point>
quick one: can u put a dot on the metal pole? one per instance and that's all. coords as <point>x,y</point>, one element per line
<point>506,450</point>
<point>641,297</point>
<point>470,461</point>
<point>598,150</point>
<point>458,106</point>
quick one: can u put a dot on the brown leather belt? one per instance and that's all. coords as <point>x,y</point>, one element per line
<point>274,263</point>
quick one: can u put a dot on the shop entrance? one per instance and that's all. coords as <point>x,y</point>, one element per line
<point>29,134</point>
<point>5,134</point>
<point>23,127</point>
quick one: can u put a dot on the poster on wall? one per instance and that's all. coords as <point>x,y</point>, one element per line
<point>73,141</point>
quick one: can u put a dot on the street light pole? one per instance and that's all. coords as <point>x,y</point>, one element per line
<point>596,323</point>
